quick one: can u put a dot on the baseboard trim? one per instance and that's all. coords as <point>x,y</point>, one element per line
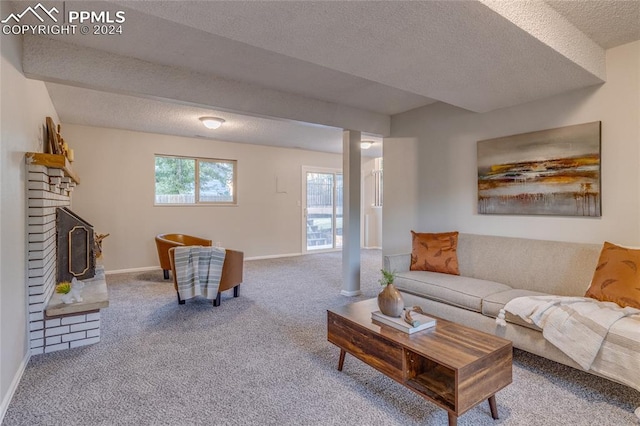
<point>350,293</point>
<point>273,256</point>
<point>14,385</point>
<point>124,271</point>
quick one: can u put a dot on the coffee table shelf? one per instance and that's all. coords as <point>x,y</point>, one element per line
<point>429,378</point>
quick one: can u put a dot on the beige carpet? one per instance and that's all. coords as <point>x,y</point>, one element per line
<point>263,359</point>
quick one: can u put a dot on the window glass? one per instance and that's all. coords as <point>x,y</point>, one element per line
<point>216,181</point>
<point>183,180</point>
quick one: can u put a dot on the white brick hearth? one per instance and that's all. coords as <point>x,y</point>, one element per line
<point>48,188</point>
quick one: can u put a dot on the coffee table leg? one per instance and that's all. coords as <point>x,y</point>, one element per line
<point>453,420</point>
<point>493,406</point>
<point>341,360</point>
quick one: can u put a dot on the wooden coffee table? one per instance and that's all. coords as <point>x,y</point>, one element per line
<point>453,366</point>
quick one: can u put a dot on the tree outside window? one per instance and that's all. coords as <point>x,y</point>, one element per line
<point>183,180</point>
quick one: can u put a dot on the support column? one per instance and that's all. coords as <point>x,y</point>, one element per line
<point>351,175</point>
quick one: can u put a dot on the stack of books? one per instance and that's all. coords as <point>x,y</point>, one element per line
<point>421,322</point>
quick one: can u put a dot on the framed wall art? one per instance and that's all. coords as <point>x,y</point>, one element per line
<point>548,172</point>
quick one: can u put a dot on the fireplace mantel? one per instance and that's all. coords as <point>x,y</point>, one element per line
<point>53,161</point>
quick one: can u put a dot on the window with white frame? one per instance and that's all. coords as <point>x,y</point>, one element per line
<point>195,181</point>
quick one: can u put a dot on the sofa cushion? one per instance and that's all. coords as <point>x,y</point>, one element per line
<point>435,252</point>
<point>455,290</point>
<point>492,304</point>
<point>617,276</point>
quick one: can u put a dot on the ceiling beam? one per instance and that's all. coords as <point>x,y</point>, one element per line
<point>548,26</point>
<point>476,55</point>
<point>65,63</point>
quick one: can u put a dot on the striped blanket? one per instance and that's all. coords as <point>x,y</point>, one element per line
<point>599,336</point>
<point>198,270</point>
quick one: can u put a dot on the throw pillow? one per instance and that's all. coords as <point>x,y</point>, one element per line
<point>617,276</point>
<point>435,252</point>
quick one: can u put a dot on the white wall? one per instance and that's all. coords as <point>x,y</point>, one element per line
<point>24,106</point>
<point>116,194</point>
<point>431,174</point>
<point>401,183</point>
<point>371,216</point>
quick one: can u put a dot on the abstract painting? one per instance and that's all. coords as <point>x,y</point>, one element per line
<point>548,172</point>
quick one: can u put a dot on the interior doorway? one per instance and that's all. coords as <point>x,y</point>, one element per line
<point>322,210</point>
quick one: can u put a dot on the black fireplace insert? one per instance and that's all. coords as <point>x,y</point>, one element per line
<point>76,257</point>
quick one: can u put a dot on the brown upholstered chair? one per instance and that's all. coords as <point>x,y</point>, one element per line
<point>231,278</point>
<point>165,241</point>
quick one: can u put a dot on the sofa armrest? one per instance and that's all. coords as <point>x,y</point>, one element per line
<point>398,262</point>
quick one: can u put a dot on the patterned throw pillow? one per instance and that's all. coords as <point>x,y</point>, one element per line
<point>617,276</point>
<point>435,252</point>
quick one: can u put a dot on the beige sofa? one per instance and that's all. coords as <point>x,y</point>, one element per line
<point>494,270</point>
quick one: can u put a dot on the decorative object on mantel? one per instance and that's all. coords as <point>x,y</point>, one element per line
<point>389,299</point>
<point>56,143</point>
<point>52,138</point>
<point>548,172</point>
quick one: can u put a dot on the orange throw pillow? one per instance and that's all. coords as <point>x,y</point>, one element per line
<point>435,252</point>
<point>617,276</point>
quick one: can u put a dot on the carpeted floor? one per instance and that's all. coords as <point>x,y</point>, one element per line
<point>263,359</point>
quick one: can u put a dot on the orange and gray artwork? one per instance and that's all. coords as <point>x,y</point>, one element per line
<point>548,172</point>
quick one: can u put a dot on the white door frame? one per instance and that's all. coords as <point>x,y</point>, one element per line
<point>312,169</point>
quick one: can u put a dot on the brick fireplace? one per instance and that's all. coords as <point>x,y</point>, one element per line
<point>55,326</point>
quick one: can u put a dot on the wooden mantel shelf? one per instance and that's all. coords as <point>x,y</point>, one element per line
<point>55,161</point>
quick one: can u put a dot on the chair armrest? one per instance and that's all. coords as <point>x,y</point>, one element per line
<point>398,262</point>
<point>163,247</point>
<point>232,269</point>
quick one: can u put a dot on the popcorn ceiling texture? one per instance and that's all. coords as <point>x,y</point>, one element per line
<point>348,65</point>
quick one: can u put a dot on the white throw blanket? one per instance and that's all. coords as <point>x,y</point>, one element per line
<point>198,270</point>
<point>577,326</point>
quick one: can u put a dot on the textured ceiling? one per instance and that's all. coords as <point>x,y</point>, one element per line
<point>336,64</point>
<point>609,23</point>
<point>95,108</point>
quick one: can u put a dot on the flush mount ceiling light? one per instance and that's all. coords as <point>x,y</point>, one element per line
<point>366,144</point>
<point>211,122</point>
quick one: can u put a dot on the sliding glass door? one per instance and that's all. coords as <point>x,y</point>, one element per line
<point>323,210</point>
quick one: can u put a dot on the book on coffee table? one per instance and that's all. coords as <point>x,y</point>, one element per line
<point>400,324</point>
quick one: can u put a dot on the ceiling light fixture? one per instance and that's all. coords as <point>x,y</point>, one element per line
<point>211,122</point>
<point>366,144</point>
